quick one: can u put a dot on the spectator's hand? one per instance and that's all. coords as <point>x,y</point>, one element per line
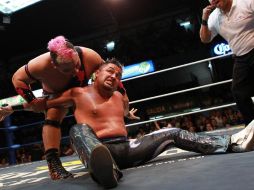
<point>5,111</point>
<point>131,114</point>
<point>38,105</point>
<point>157,126</point>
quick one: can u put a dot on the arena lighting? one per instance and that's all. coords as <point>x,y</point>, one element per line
<point>110,46</point>
<point>11,6</point>
<point>185,24</point>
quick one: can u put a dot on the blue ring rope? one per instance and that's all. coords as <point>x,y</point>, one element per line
<point>17,146</point>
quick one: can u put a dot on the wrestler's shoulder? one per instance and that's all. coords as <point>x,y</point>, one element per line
<point>45,57</point>
<point>39,66</point>
<point>90,55</point>
<point>118,94</point>
<point>87,50</point>
<point>79,90</point>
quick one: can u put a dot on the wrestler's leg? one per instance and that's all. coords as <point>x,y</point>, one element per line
<point>51,132</point>
<point>95,156</point>
<point>138,151</point>
<point>51,135</point>
<point>202,143</point>
<point>151,145</point>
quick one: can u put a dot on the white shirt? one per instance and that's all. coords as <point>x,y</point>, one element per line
<point>237,26</point>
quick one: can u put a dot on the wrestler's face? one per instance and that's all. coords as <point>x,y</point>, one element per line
<point>69,67</point>
<point>109,75</point>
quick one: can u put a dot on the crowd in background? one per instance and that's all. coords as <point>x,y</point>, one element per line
<point>213,120</point>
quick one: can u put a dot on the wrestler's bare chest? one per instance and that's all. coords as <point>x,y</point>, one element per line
<point>112,106</point>
<point>94,107</point>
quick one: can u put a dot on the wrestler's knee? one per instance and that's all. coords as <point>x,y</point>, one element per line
<point>165,132</point>
<point>52,123</point>
<point>84,133</point>
<point>81,128</point>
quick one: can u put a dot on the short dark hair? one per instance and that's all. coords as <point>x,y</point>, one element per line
<point>108,61</point>
<point>114,61</point>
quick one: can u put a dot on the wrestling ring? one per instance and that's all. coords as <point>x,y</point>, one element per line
<point>173,169</point>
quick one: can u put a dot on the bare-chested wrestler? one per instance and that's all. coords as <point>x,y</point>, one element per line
<point>100,137</point>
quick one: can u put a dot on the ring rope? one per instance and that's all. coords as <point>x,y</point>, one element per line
<point>17,146</point>
<point>182,114</point>
<point>177,67</point>
<point>181,91</point>
<point>135,101</point>
<point>14,127</point>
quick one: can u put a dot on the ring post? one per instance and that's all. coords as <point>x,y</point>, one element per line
<point>9,139</point>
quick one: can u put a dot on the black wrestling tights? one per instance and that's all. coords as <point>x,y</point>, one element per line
<point>141,150</point>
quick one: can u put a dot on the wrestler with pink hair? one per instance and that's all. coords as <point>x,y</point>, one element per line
<point>63,67</point>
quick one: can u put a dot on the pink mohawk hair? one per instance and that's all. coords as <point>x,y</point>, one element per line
<point>58,46</point>
<point>57,43</point>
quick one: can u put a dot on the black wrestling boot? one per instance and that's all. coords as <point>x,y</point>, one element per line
<point>95,156</point>
<point>202,143</point>
<point>56,170</point>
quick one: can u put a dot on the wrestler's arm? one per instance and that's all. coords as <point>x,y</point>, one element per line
<point>66,99</point>
<point>126,104</point>
<point>29,74</point>
<point>130,114</point>
<point>35,67</point>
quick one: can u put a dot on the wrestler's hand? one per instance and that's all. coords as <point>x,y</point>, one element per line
<point>5,111</point>
<point>131,114</point>
<point>69,152</point>
<point>207,11</point>
<point>38,105</point>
